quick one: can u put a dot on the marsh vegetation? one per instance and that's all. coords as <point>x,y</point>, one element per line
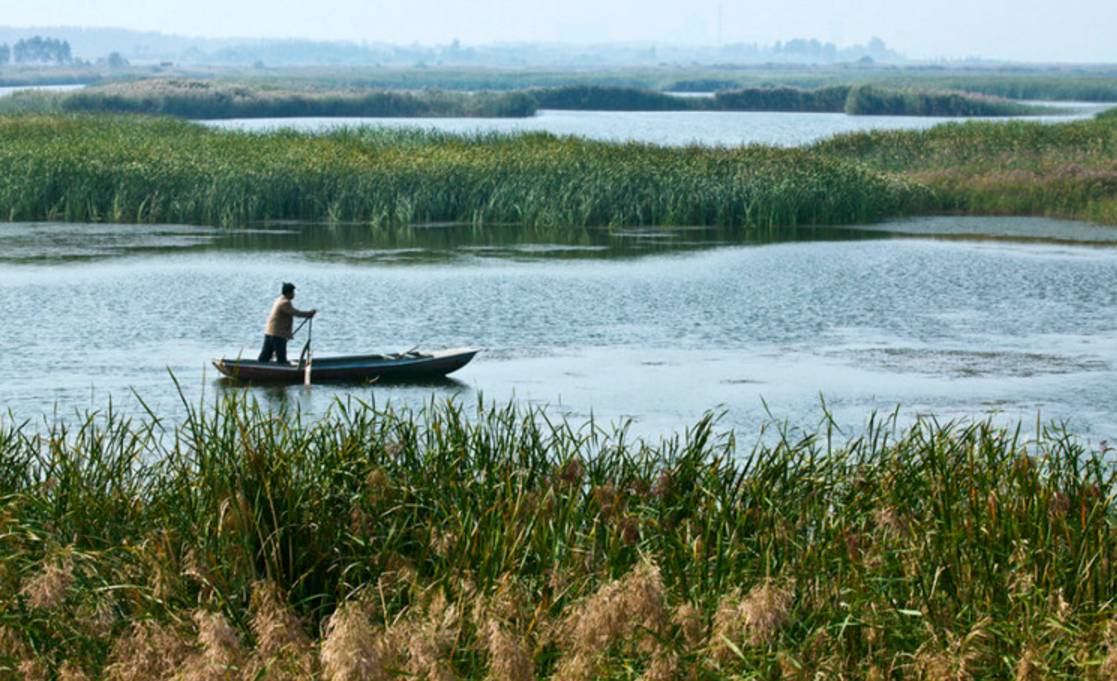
<point>137,169</point>
<point>247,544</point>
<point>205,99</point>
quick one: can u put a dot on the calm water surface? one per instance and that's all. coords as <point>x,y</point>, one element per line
<point>650,324</point>
<point>676,128</point>
<point>5,91</point>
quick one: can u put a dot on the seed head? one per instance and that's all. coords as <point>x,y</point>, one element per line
<point>891,521</point>
<point>509,659</point>
<point>47,590</point>
<point>691,624</point>
<point>274,626</point>
<point>570,473</point>
<point>754,619</point>
<point>283,650</point>
<point>630,530</point>
<point>71,672</point>
<point>430,640</point>
<point>353,651</point>
<point>608,499</point>
<point>624,610</point>
<point>1058,506</point>
<point>1027,668</point>
<point>33,670</point>
<point>221,653</point>
<point>664,666</point>
<point>1108,670</point>
<point>664,485</point>
<point>377,486</point>
<point>149,651</point>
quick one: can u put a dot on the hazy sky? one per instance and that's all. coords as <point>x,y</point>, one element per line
<point>1034,30</point>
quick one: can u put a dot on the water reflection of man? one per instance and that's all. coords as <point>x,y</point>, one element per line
<point>280,323</point>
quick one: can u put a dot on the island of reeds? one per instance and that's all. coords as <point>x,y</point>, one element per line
<point>209,99</point>
<point>146,169</point>
<point>1011,81</point>
<point>500,544</point>
<point>859,100</point>
<point>200,99</point>
<point>136,169</point>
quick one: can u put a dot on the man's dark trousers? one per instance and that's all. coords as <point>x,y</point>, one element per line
<point>274,345</point>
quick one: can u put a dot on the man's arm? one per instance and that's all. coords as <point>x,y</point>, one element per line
<point>295,312</point>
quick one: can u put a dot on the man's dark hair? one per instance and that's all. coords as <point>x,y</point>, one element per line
<point>288,288</point>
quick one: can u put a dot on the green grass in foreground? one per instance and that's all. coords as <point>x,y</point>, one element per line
<point>244,544</point>
<point>136,169</point>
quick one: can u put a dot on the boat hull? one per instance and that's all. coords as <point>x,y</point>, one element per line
<point>351,368</point>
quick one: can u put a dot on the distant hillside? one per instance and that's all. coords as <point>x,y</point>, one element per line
<point>91,44</point>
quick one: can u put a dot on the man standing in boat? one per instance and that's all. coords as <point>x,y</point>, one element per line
<point>280,323</point>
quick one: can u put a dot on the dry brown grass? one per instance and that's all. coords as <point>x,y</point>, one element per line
<point>753,620</point>
<point>509,656</point>
<point>221,656</point>
<point>283,649</point>
<point>626,610</point>
<point>47,590</point>
<point>353,649</point>
<point>1108,669</point>
<point>951,657</point>
<point>151,650</point>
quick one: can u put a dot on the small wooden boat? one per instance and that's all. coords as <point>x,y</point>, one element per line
<point>404,366</point>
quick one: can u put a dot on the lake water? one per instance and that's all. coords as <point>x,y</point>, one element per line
<point>5,91</point>
<point>675,128</point>
<point>951,316</point>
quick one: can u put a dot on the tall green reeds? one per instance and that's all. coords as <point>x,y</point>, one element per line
<point>818,100</point>
<point>247,544</point>
<point>858,100</point>
<point>1021,168</point>
<point>204,99</point>
<point>199,99</point>
<point>143,170</point>
<point>134,169</point>
<point>874,100</point>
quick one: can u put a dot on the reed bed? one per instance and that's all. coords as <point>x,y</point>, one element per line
<point>378,544</point>
<point>200,99</point>
<point>1097,84</point>
<point>148,170</point>
<point>874,100</point>
<point>854,100</point>
<point>1019,168</point>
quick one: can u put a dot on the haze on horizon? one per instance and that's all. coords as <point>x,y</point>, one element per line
<point>1019,30</point>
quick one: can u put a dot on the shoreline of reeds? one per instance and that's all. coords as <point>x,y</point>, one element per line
<point>201,99</point>
<point>1050,83</point>
<point>150,170</point>
<point>1063,170</point>
<point>374,544</point>
<point>209,99</point>
<point>855,100</point>
<point>135,169</point>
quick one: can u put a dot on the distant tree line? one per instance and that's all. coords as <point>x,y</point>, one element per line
<point>37,50</point>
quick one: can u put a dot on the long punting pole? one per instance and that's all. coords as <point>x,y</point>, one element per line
<point>309,353</point>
